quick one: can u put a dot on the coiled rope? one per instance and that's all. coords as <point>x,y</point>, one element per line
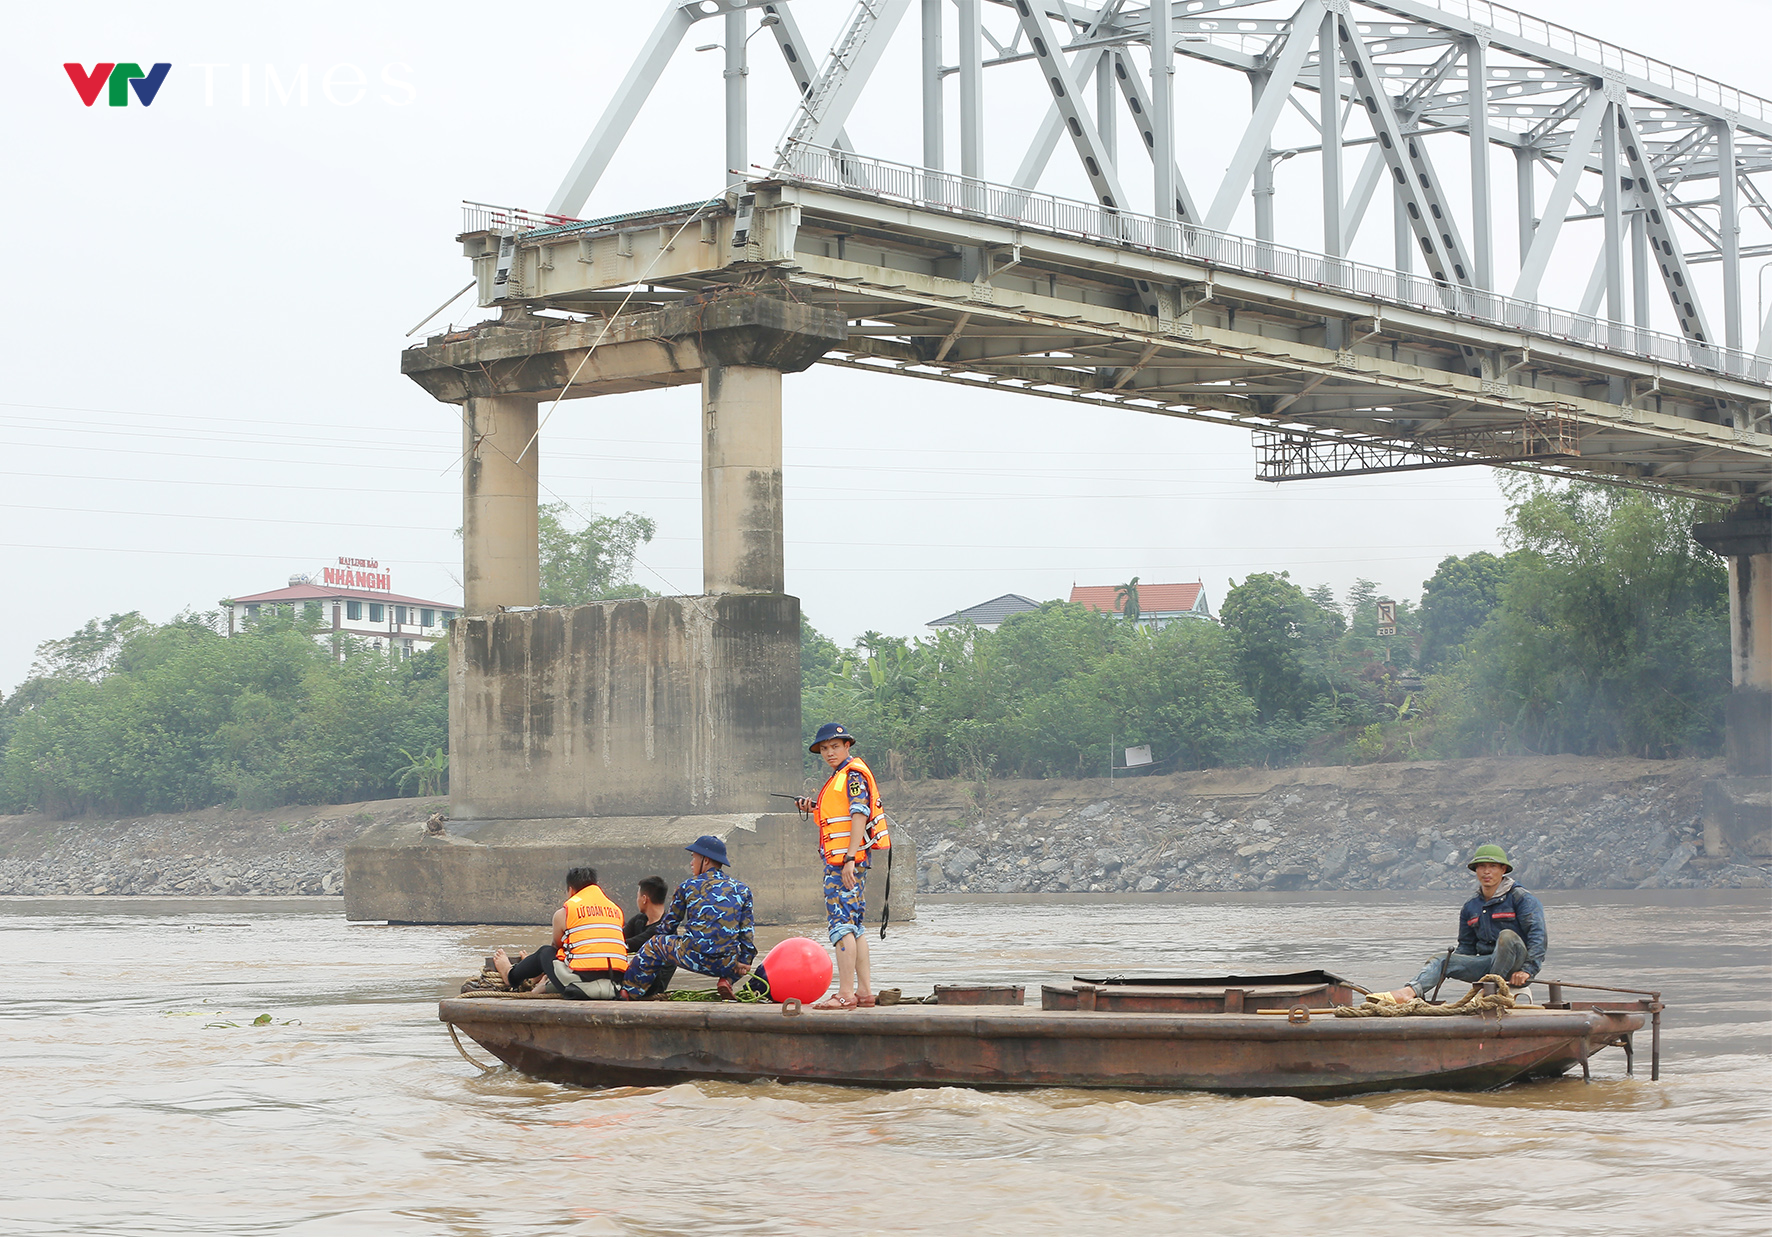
<point>1476,1001</point>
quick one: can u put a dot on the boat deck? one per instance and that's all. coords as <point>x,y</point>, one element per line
<point>1312,1054</point>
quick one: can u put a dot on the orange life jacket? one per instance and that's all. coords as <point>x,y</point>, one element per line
<point>834,819</point>
<point>593,940</point>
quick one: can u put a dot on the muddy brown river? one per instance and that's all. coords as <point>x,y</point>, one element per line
<point>140,1098</point>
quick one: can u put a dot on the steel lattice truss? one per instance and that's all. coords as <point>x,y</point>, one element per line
<point>1158,292</point>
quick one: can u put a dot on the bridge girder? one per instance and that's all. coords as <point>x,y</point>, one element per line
<point>1062,317</point>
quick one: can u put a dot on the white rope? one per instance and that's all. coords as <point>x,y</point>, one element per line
<point>610,321</point>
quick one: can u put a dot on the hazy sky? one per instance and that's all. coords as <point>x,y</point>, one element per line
<point>210,296</point>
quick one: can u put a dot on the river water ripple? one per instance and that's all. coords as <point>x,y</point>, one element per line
<point>140,1099</point>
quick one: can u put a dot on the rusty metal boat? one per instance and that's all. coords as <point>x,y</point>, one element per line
<point>1235,1035</point>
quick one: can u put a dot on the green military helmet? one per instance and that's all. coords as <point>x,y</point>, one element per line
<point>1489,854</point>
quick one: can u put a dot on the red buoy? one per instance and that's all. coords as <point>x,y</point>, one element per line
<point>798,969</point>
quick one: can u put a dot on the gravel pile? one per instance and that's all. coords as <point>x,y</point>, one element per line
<point>1643,837</point>
<point>76,870</point>
<point>211,853</point>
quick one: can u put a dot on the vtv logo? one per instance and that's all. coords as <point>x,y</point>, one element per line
<point>123,78</point>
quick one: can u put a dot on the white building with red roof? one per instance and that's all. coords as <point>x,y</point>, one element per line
<point>355,598</point>
<point>1158,604</point>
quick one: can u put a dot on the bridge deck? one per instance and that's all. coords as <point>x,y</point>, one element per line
<point>1339,377</point>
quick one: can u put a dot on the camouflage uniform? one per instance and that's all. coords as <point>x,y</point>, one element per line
<point>714,913</point>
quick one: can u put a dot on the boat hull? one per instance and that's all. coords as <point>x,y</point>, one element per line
<point>600,1044</point>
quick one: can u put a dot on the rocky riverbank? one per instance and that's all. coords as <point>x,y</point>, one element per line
<point>1568,823</point>
<point>218,851</point>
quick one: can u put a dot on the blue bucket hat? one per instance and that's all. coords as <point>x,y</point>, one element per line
<point>830,730</point>
<point>709,847</point>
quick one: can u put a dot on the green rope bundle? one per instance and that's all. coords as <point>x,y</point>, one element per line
<point>748,988</point>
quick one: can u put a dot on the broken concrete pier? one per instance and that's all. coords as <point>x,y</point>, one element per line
<point>1738,806</point>
<point>612,734</point>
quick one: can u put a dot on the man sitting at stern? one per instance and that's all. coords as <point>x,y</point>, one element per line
<point>588,955</point>
<point>713,912</point>
<point>1500,932</point>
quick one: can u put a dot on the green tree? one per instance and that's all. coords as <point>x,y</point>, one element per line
<point>181,717</point>
<point>592,560</point>
<point>1459,599</point>
<point>89,652</point>
<point>1611,635</point>
<point>819,656</point>
<point>1281,638</point>
<point>1126,597</point>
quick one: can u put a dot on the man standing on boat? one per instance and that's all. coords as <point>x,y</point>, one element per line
<point>588,955</point>
<point>1500,932</point>
<point>714,913</point>
<point>851,822</point>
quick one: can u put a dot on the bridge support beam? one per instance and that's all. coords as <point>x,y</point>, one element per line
<point>736,345</point>
<point>741,537</point>
<point>1738,806</point>
<point>500,472</point>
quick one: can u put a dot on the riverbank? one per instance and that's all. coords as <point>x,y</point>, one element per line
<point>1568,822</point>
<point>215,852</point>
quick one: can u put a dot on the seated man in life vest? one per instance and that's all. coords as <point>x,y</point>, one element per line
<point>588,956</point>
<point>713,913</point>
<point>1500,932</point>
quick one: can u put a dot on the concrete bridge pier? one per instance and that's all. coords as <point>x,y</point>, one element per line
<point>741,519</point>
<point>500,471</point>
<point>1738,806</point>
<point>612,734</point>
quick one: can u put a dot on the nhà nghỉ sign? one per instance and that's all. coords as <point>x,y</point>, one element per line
<point>363,573</point>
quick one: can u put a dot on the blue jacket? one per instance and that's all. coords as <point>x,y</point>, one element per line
<point>1483,920</point>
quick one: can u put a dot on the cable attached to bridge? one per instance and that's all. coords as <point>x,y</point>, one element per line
<point>610,320</point>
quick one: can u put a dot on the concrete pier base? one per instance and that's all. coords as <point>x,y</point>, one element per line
<point>514,871</point>
<point>662,706</point>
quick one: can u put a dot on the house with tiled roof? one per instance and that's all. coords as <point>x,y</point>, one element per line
<point>988,615</point>
<point>1158,604</point>
<point>356,599</point>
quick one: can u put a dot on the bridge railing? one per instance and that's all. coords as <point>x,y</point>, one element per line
<point>484,217</point>
<point>1608,55</point>
<point>1044,212</point>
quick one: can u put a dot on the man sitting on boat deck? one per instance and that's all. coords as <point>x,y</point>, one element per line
<point>714,913</point>
<point>851,822</point>
<point>1500,932</point>
<point>588,955</point>
<point>650,900</point>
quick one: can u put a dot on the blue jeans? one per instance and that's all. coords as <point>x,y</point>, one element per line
<point>1509,956</point>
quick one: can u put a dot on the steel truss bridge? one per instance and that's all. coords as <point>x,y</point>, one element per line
<point>1149,296</point>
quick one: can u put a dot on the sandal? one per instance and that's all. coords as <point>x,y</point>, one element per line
<point>864,1000</point>
<point>833,1001</point>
